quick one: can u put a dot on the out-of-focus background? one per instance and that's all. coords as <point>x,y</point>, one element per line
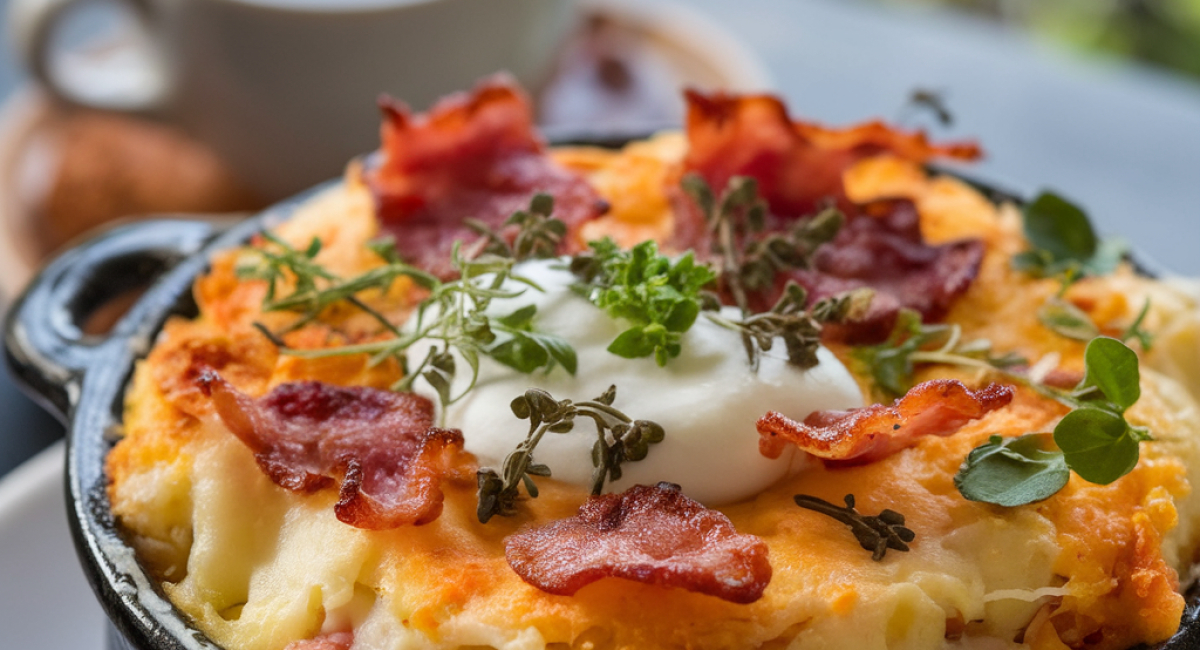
<point>1161,33</point>
<point>1097,99</point>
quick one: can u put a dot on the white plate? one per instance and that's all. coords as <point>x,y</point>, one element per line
<point>45,602</point>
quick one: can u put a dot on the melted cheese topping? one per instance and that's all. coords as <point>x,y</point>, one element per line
<point>707,399</point>
<point>257,567</point>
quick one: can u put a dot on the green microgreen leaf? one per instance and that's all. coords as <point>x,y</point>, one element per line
<point>1060,228</point>
<point>1111,370</point>
<point>633,343</point>
<point>520,319</point>
<point>658,297</point>
<point>1097,444</point>
<point>1094,438</point>
<point>1013,471</point>
<point>521,353</point>
<point>1065,246</point>
<point>1064,243</point>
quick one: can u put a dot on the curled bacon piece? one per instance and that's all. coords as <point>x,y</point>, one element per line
<point>935,408</point>
<point>471,156</point>
<point>382,444</point>
<point>797,164</point>
<point>654,535</point>
<point>883,249</point>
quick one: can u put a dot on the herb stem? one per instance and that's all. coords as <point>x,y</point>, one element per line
<point>943,356</point>
<point>380,318</point>
<point>730,268</point>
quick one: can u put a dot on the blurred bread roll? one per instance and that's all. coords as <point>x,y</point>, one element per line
<point>81,169</point>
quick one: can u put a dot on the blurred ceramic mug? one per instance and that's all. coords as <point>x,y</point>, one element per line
<point>284,90</point>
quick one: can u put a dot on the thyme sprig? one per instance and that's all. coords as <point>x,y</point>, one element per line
<point>619,439</point>
<point>799,327</point>
<point>453,319</point>
<point>875,533</point>
<point>538,233</point>
<point>891,364</point>
<point>750,261</point>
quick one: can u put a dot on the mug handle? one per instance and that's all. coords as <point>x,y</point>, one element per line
<point>134,82</point>
<point>45,342</point>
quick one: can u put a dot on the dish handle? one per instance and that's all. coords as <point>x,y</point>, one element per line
<point>48,345</point>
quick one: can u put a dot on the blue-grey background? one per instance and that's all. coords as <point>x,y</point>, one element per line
<point>1122,140</point>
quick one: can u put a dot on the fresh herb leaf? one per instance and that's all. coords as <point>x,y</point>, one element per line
<point>1111,377</point>
<point>1064,242</point>
<point>1135,331</point>
<point>1094,438</point>
<point>279,264</point>
<point>799,328</point>
<point>1064,245</point>
<point>537,236</point>
<point>1098,445</point>
<point>454,317</point>
<point>659,298</point>
<point>1013,471</point>
<point>875,533</point>
<point>750,262</point>
<point>891,364</point>
<point>1065,319</point>
<point>619,439</point>
<point>528,350</point>
<point>1060,228</point>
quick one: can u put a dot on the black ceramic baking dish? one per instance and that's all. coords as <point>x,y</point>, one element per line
<point>82,380</point>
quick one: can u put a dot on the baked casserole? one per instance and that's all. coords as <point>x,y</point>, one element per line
<point>855,404</point>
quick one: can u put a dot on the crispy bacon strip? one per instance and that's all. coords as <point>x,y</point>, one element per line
<point>883,249</point>
<point>935,408</point>
<point>654,535</point>
<point>472,155</point>
<point>382,445</point>
<point>797,164</point>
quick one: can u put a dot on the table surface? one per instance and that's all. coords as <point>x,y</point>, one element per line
<point>1122,140</point>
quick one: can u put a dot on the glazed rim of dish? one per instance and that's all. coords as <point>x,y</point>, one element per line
<point>82,379</point>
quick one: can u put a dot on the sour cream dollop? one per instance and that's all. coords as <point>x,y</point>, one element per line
<point>707,399</point>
